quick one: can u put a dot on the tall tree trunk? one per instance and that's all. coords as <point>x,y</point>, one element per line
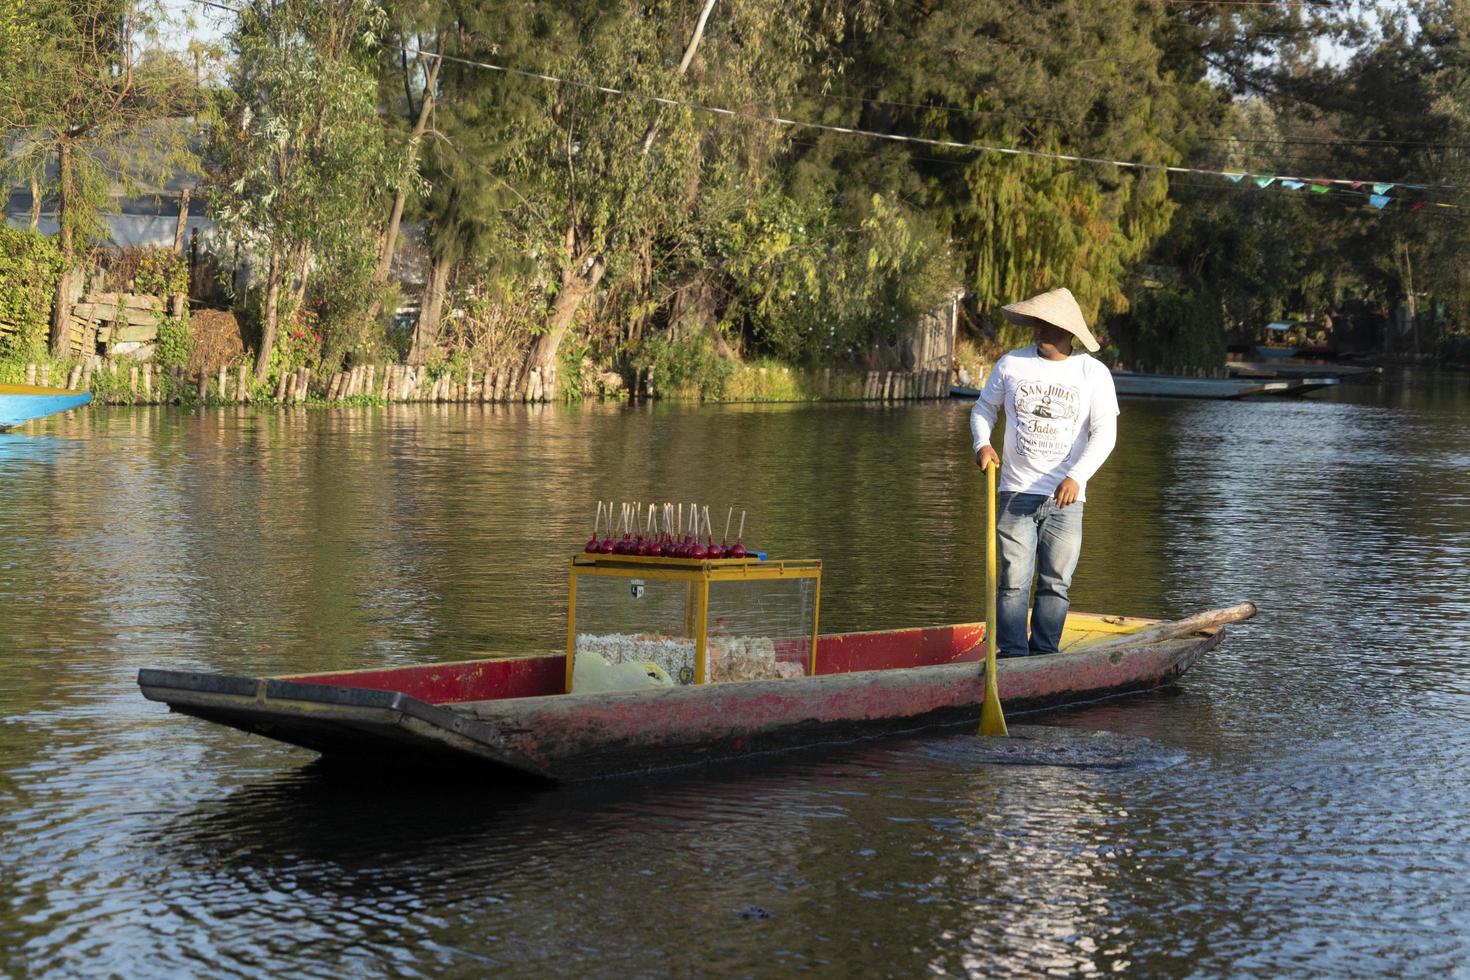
<point>431,310</point>
<point>61,307</point>
<point>395,214</point>
<point>693,311</point>
<point>577,283</point>
<point>35,203</point>
<point>182,223</point>
<point>1409,298</point>
<point>692,47</point>
<point>301,266</point>
<point>271,318</point>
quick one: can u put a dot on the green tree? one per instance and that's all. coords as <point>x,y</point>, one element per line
<point>85,85</point>
<point>299,150</point>
<point>578,190</point>
<point>1074,77</point>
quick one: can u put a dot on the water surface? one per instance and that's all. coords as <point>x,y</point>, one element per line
<point>1299,805</point>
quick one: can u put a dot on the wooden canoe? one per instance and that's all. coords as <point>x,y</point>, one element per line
<point>510,716</point>
<point>22,403</point>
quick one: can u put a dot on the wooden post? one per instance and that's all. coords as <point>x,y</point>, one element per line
<point>305,388</point>
<point>368,388</point>
<point>30,374</point>
<point>242,388</point>
<point>148,383</point>
<point>469,381</point>
<point>203,387</point>
<point>334,388</point>
<point>499,385</point>
<point>281,388</point>
<point>954,327</point>
<point>133,382</point>
<point>76,373</point>
<point>224,383</point>
<point>87,374</point>
<point>46,375</point>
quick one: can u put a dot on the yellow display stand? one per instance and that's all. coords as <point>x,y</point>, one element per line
<point>750,591</point>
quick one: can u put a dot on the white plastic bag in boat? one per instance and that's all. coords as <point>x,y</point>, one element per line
<point>593,673</point>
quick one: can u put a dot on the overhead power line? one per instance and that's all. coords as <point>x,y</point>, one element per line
<point>893,137</point>
<point>1353,183</point>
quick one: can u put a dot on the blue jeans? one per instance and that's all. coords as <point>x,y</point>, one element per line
<point>1040,539</point>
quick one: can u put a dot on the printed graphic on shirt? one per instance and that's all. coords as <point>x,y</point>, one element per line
<point>1046,417</point>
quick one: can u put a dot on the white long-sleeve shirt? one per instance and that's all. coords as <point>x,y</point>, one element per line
<point>1061,419</point>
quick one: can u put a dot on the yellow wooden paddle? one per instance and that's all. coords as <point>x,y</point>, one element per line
<point>992,718</point>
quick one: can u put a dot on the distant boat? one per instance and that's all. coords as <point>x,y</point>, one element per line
<point>1266,350</point>
<point>1291,368</point>
<point>22,403</point>
<point>1130,384</point>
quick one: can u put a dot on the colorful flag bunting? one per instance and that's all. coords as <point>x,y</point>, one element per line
<point>1292,185</point>
<point>1264,181</point>
<point>1382,188</point>
<point>1378,200</point>
<point>1234,178</point>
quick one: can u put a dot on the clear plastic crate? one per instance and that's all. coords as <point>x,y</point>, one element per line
<point>649,622</point>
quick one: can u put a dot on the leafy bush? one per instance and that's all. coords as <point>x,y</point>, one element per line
<point>1455,349</point>
<point>770,381</point>
<point>173,343</point>
<point>161,272</point>
<point>688,367</point>
<point>812,282</point>
<point>30,265</point>
<point>1171,329</point>
<point>298,346</point>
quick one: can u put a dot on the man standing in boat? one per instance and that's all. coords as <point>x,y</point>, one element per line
<point>1061,424</point>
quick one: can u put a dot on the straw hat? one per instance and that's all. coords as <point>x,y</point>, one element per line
<point>1057,308</point>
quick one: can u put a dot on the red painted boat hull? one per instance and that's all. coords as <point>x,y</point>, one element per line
<point>509,717</point>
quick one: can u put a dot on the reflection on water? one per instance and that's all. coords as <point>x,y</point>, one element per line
<point>1298,806</point>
